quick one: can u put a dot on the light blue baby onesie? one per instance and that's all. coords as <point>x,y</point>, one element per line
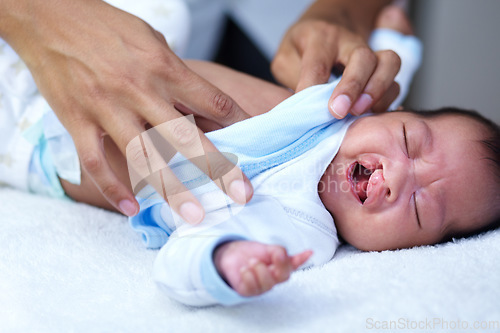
<point>284,153</point>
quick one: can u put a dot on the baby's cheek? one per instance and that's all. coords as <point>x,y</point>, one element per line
<point>327,191</point>
<point>352,232</point>
<point>368,234</point>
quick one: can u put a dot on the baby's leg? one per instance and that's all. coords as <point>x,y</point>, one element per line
<point>394,18</point>
<point>252,268</point>
<point>87,191</point>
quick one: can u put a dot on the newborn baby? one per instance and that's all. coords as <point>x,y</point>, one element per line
<point>399,180</point>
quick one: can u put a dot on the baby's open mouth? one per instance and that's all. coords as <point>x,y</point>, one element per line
<point>359,180</point>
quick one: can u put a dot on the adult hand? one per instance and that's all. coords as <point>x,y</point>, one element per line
<point>106,72</point>
<point>313,46</point>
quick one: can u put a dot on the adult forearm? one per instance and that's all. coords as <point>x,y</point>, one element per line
<point>356,15</point>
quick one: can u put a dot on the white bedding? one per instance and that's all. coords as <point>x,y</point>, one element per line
<point>69,267</point>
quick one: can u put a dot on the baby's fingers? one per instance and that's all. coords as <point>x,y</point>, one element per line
<point>248,285</point>
<point>281,266</point>
<point>256,279</point>
<point>263,274</point>
<point>299,259</point>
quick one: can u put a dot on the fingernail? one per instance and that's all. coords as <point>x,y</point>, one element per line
<point>240,190</point>
<point>191,213</point>
<point>341,105</point>
<point>362,104</point>
<point>127,207</point>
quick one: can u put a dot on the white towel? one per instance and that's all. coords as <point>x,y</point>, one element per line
<point>68,267</point>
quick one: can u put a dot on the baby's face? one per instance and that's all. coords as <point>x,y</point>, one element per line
<point>401,180</point>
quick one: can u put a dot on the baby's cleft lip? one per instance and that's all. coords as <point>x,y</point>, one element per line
<point>375,188</point>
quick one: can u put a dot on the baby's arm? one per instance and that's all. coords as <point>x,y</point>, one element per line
<point>203,266</point>
<point>252,268</point>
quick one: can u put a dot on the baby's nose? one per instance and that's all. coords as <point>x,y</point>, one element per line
<point>399,178</point>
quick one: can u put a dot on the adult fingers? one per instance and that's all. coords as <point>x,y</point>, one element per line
<point>146,163</point>
<point>388,64</point>
<point>385,101</point>
<point>317,61</point>
<point>181,135</point>
<point>306,55</point>
<point>193,94</point>
<point>358,70</point>
<point>89,145</point>
<point>201,98</point>
<point>286,64</point>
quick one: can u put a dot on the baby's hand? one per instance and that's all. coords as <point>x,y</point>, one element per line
<point>252,268</point>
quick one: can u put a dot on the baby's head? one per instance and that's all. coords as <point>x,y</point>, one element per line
<point>402,179</point>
